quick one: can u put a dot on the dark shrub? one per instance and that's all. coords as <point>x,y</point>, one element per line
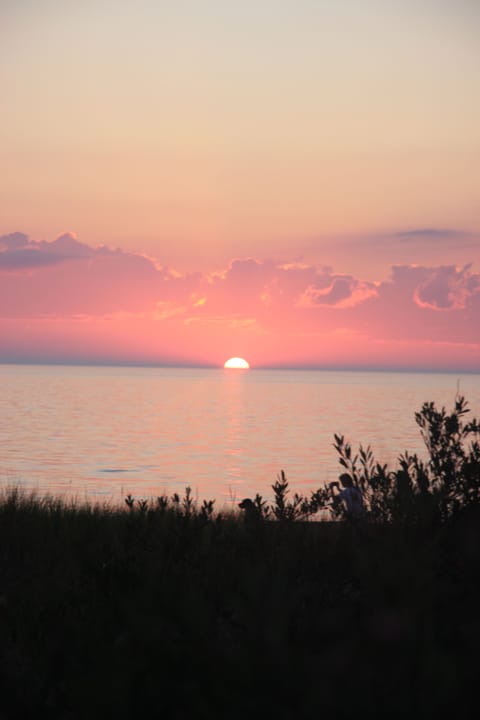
<point>418,490</point>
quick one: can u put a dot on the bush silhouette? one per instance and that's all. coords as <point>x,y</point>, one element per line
<point>419,490</point>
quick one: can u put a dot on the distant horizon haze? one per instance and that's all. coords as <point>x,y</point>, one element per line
<point>98,363</point>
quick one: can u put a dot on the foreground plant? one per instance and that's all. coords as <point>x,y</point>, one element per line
<point>435,489</point>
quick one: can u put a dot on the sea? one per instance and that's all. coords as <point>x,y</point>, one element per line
<point>96,434</point>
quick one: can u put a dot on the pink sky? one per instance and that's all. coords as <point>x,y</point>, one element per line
<point>294,182</point>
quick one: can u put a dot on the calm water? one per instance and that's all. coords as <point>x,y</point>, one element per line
<point>96,432</point>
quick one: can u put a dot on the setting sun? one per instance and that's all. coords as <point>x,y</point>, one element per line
<point>236,363</point>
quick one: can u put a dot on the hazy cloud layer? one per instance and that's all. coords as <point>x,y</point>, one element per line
<point>68,280</point>
<point>431,234</point>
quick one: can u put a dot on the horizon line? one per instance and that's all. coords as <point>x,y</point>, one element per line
<point>210,366</point>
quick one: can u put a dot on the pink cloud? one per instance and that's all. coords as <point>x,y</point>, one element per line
<point>67,278</point>
<point>447,288</point>
<point>341,292</point>
<point>282,312</point>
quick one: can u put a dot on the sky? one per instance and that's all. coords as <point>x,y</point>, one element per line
<point>296,182</point>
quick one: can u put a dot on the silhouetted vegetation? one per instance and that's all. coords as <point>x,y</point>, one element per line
<point>170,608</point>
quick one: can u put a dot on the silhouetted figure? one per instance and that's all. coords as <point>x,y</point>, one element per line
<point>350,496</point>
<point>251,511</point>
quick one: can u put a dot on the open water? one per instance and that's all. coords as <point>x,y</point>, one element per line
<point>98,433</point>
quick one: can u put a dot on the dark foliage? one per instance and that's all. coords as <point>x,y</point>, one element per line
<point>434,490</point>
<point>169,609</point>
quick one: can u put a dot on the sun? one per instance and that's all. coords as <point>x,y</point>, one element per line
<point>236,363</point>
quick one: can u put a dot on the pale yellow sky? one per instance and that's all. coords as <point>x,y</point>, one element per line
<point>201,131</point>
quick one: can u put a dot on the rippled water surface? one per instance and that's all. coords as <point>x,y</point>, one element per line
<point>97,432</point>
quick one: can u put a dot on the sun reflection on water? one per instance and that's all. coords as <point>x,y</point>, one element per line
<point>104,432</point>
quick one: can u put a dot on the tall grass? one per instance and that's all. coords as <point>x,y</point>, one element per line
<point>168,608</point>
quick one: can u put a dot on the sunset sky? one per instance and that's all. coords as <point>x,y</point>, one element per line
<point>296,182</point>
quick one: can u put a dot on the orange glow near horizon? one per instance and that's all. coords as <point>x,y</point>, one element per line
<point>236,363</point>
